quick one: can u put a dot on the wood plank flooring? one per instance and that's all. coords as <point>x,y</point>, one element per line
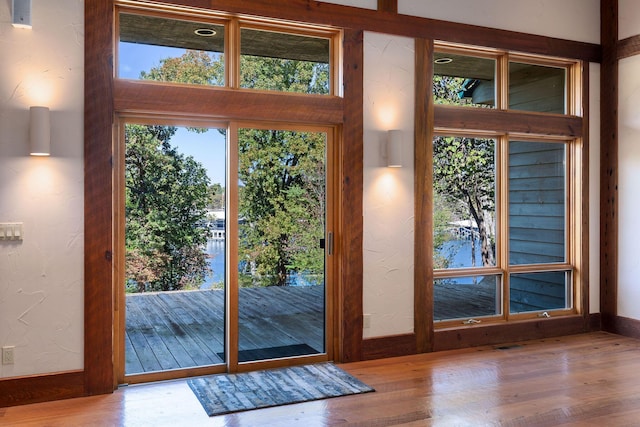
<point>183,329</point>
<point>586,380</point>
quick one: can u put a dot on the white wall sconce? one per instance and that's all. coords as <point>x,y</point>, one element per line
<point>393,149</point>
<point>21,13</point>
<point>39,131</point>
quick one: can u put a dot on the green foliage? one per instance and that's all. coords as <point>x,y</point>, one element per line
<point>194,67</point>
<point>285,75</point>
<point>281,204</point>
<point>464,176</point>
<point>165,208</point>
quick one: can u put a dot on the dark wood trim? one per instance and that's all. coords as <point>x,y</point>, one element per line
<point>624,326</point>
<point>403,25</point>
<point>628,47</point>
<point>489,334</point>
<point>389,6</point>
<point>485,119</point>
<point>609,164</point>
<point>133,96</point>
<point>351,198</point>
<point>390,346</point>
<point>41,388</point>
<point>423,252</point>
<point>98,179</point>
<point>595,322</point>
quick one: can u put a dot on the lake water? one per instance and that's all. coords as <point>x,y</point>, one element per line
<point>460,250</point>
<point>215,252</point>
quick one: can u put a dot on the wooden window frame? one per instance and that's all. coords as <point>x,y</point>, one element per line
<point>503,267</point>
<point>511,125</point>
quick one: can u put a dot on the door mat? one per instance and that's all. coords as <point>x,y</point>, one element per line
<point>273,352</point>
<point>226,393</point>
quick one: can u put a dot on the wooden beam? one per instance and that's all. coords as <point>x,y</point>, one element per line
<point>485,119</point>
<point>389,6</point>
<point>609,164</point>
<point>351,199</point>
<point>628,47</point>
<point>219,103</point>
<point>423,254</point>
<point>98,196</point>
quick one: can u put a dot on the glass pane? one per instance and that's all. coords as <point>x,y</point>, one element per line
<point>466,297</point>
<point>540,291</point>
<point>537,202</point>
<point>174,246</point>
<point>281,243</point>
<point>464,80</point>
<point>284,62</point>
<point>170,50</point>
<point>537,88</point>
<point>464,183</point>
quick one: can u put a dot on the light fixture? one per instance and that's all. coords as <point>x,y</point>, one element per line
<point>21,13</point>
<point>394,148</point>
<point>39,131</point>
<point>205,32</point>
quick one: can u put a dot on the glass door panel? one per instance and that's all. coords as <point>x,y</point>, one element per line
<point>281,243</point>
<point>174,223</point>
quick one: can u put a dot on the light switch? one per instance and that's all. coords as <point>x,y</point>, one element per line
<point>11,231</point>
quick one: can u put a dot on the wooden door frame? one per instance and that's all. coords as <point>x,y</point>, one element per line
<point>331,317</point>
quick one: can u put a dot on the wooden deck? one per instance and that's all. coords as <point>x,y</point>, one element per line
<point>184,329</point>
<point>171,330</point>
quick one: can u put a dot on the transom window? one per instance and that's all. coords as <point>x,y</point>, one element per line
<point>224,51</point>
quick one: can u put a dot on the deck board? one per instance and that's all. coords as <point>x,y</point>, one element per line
<point>183,329</point>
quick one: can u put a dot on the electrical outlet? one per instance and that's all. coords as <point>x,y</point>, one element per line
<point>7,355</point>
<point>366,321</point>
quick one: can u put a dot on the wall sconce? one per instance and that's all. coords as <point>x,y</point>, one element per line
<point>393,149</point>
<point>39,131</point>
<point>21,13</point>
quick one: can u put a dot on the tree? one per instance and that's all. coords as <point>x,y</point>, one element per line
<point>464,173</point>
<point>281,204</point>
<point>282,198</point>
<point>282,172</point>
<point>166,199</point>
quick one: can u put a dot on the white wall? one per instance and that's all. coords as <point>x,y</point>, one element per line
<point>629,167</point>
<point>41,278</point>
<point>388,192</point>
<point>567,19</point>
<point>628,179</point>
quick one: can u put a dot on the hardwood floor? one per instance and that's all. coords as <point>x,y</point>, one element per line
<point>587,380</point>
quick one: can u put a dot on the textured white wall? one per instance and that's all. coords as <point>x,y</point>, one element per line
<point>41,278</point>
<point>629,22</point>
<point>388,192</point>
<point>567,19</point>
<point>628,178</point>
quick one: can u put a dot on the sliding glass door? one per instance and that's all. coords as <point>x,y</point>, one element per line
<point>225,235</point>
